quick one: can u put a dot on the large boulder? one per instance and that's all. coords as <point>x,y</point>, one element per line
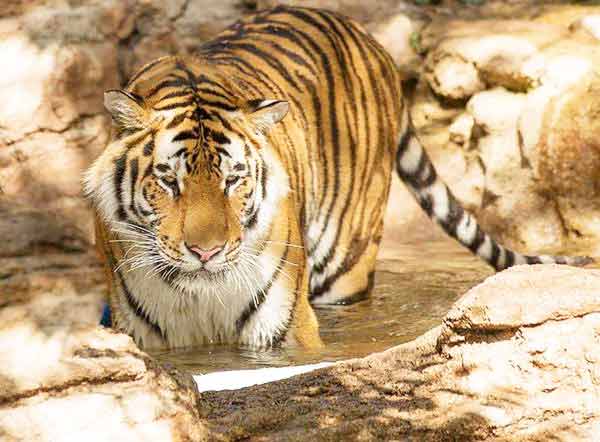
<point>60,383</point>
<point>508,110</point>
<point>516,359</point>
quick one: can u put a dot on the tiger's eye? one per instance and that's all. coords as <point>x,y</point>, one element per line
<point>173,185</point>
<point>230,181</point>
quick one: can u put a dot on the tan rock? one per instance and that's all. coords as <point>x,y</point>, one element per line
<point>532,136</point>
<point>453,77</point>
<point>82,383</point>
<point>461,130</point>
<point>396,35</point>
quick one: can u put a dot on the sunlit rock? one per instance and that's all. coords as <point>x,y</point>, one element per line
<point>532,98</point>
<point>58,383</point>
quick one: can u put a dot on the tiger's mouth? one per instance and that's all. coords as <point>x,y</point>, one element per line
<point>230,277</point>
<point>144,253</point>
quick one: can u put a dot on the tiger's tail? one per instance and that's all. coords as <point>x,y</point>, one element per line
<point>416,170</point>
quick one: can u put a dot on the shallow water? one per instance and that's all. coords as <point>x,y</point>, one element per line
<point>415,285</point>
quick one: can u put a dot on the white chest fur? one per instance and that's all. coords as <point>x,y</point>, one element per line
<point>206,313</point>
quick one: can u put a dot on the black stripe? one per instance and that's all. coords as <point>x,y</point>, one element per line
<point>185,135</point>
<point>360,295</point>
<point>177,120</point>
<point>203,90</point>
<point>510,258</point>
<point>495,254</point>
<point>321,265</point>
<point>222,120</point>
<point>477,240</point>
<point>120,164</point>
<point>175,82</point>
<point>261,295</point>
<point>205,80</point>
<point>134,172</point>
<point>130,144</point>
<point>176,105</point>
<point>252,212</point>
<point>269,59</point>
<point>149,147</point>
<point>143,70</point>
<point>263,180</point>
<point>336,44</point>
<point>330,86</point>
<point>418,179</point>
<point>251,222</point>
<point>218,104</point>
<point>426,203</point>
<point>138,310</point>
<point>220,137</point>
<point>148,170</point>
<point>222,151</point>
<point>281,334</point>
<point>179,152</point>
<point>181,93</point>
<point>325,286</point>
<point>455,214</point>
<point>285,33</point>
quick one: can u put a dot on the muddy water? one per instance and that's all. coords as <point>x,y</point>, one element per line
<point>415,284</point>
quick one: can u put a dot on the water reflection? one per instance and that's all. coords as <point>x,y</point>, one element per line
<point>414,287</point>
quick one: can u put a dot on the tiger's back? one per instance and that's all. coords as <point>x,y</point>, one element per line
<point>340,138</point>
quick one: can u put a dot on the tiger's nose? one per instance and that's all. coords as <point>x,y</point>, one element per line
<point>205,255</point>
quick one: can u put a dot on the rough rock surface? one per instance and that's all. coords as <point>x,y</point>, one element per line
<point>508,109</point>
<point>85,383</point>
<point>516,359</point>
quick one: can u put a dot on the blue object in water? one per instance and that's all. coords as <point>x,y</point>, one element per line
<point>106,320</point>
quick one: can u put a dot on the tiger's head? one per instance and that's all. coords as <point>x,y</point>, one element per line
<point>187,179</point>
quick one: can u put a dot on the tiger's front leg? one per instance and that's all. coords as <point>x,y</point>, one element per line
<point>280,313</point>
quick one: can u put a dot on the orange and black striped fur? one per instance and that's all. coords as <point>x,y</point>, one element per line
<point>245,182</point>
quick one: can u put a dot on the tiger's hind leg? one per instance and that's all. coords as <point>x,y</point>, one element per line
<point>342,262</point>
<point>353,281</point>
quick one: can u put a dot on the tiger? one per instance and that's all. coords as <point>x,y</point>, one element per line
<point>247,182</point>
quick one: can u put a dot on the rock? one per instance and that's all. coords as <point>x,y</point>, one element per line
<point>82,383</point>
<point>529,89</point>
<point>490,372</point>
<point>25,230</point>
<point>507,110</point>
<point>453,78</point>
<point>396,35</point>
<point>43,254</point>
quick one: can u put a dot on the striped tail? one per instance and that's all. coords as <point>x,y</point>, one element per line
<point>417,172</point>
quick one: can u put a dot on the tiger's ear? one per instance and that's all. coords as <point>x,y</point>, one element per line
<point>127,110</point>
<point>266,113</point>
